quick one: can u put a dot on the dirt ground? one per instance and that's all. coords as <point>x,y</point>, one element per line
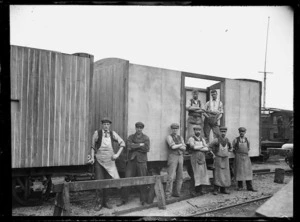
<point>82,203</point>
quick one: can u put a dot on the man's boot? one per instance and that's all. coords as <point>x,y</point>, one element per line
<point>199,190</point>
<point>98,204</point>
<point>224,190</point>
<point>105,202</point>
<point>240,185</point>
<point>249,186</point>
<point>216,189</point>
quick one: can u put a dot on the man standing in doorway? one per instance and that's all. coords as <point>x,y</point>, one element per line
<point>138,145</point>
<point>199,175</point>
<point>195,111</point>
<point>242,162</point>
<point>213,114</point>
<point>221,147</point>
<point>105,167</point>
<point>175,161</point>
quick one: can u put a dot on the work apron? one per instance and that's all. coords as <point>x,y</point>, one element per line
<point>242,165</point>
<point>221,167</point>
<point>104,157</point>
<point>199,166</point>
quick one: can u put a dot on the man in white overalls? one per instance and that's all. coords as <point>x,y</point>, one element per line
<point>105,166</point>
<point>242,162</point>
<point>221,147</point>
<point>199,175</point>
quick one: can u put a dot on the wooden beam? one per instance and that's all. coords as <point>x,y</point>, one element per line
<point>108,183</point>
<point>201,76</point>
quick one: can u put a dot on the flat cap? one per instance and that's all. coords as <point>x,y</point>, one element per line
<point>197,127</point>
<point>213,91</point>
<point>105,120</point>
<point>139,124</point>
<point>242,129</point>
<point>174,126</point>
<point>223,128</point>
<point>195,91</point>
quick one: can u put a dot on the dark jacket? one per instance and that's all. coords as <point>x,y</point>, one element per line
<point>137,151</point>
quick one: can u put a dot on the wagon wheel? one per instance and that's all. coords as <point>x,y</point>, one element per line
<point>21,190</point>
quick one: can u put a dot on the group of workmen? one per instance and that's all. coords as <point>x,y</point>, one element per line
<point>104,156</point>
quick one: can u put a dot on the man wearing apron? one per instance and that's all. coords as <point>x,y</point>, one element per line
<point>199,176</point>
<point>195,111</point>
<point>175,161</point>
<point>242,162</point>
<point>221,147</point>
<point>105,167</point>
<point>213,114</point>
<point>138,145</point>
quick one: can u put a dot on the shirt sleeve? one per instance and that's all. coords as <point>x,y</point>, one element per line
<point>170,141</point>
<point>229,144</point>
<point>214,145</point>
<point>119,139</point>
<point>182,141</point>
<point>94,139</point>
<point>206,106</point>
<point>234,144</point>
<point>221,110</point>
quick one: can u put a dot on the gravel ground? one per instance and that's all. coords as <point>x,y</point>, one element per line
<point>82,203</point>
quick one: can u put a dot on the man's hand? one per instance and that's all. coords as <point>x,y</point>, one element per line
<point>91,160</point>
<point>204,149</point>
<point>142,144</point>
<point>114,157</point>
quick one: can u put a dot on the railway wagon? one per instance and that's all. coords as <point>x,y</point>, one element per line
<point>128,93</point>
<point>50,117</point>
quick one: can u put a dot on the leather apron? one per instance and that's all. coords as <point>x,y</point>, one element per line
<point>199,166</point>
<point>104,157</point>
<point>242,163</point>
<point>221,167</point>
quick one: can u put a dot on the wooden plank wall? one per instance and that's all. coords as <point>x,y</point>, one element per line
<point>154,98</point>
<point>50,124</point>
<point>242,108</point>
<point>109,93</point>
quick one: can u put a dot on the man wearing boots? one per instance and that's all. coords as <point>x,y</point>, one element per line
<point>138,145</point>
<point>103,157</point>
<point>175,161</point>
<point>199,175</point>
<point>242,162</point>
<point>221,147</point>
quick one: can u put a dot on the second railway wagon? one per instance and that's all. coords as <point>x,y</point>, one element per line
<point>128,93</point>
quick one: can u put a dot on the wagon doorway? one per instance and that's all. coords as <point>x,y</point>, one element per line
<point>203,87</point>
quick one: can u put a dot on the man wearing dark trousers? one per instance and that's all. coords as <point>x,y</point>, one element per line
<point>242,162</point>
<point>138,145</point>
<point>103,157</point>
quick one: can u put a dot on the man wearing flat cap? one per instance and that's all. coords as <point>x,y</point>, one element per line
<point>221,147</point>
<point>138,145</point>
<point>213,113</point>
<point>199,176</point>
<point>176,147</point>
<point>105,155</point>
<point>242,162</point>
<point>195,111</point>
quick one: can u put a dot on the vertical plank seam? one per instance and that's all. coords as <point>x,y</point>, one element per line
<point>21,108</point>
<point>59,113</point>
<point>27,92</point>
<point>49,122</point>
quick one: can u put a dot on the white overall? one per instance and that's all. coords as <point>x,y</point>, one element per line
<point>104,157</point>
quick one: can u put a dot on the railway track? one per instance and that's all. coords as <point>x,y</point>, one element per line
<point>227,207</point>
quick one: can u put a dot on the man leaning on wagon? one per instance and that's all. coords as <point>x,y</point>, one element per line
<point>213,113</point>
<point>138,145</point>
<point>105,167</point>
<point>221,147</point>
<point>175,161</point>
<point>242,162</point>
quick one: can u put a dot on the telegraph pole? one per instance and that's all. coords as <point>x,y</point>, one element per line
<point>265,72</point>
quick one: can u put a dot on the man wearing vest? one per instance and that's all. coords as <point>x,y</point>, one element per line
<point>213,114</point>
<point>138,145</point>
<point>175,161</point>
<point>103,157</point>
<point>221,147</point>
<point>242,162</point>
<point>195,111</point>
<point>199,176</point>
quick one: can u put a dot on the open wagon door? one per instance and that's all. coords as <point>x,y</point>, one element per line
<point>242,103</point>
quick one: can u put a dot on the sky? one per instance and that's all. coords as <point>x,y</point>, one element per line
<point>222,41</point>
